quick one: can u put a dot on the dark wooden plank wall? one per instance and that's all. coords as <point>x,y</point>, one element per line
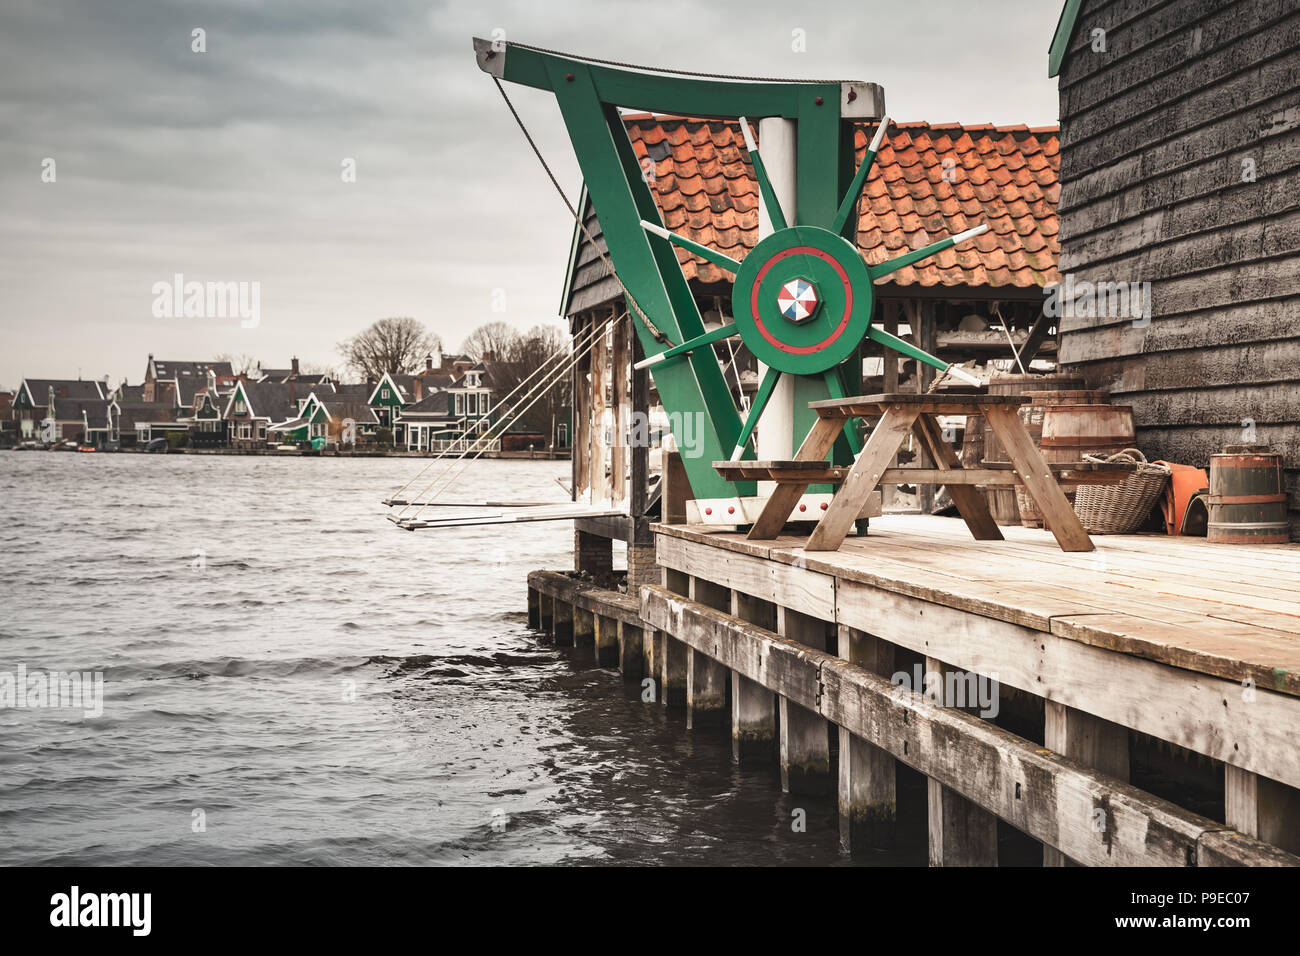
<point>1155,135</point>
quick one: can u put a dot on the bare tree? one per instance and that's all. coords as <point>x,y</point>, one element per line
<point>395,345</point>
<point>242,364</point>
<point>527,353</point>
<point>496,341</point>
<point>320,368</point>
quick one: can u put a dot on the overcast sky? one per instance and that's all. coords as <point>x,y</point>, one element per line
<point>226,165</point>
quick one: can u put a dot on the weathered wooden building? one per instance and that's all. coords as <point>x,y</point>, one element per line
<point>1180,167</point>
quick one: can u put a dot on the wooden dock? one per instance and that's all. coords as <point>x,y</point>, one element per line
<point>1085,658</point>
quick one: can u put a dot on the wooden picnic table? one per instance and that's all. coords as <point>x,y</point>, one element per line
<point>901,414</point>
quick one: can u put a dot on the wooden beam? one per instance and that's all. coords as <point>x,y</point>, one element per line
<point>889,311</point>
<point>1037,336</point>
<point>599,453</point>
<point>1041,793</point>
<point>619,371</point>
<point>640,452</point>
<point>582,421</point>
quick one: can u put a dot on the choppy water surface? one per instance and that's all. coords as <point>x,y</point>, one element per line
<point>327,689</point>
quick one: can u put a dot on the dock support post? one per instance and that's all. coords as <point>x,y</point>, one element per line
<point>706,691</point>
<point>805,738</point>
<point>753,706</point>
<point>868,800</point>
<point>652,655</point>
<point>1093,742</point>
<point>706,679</point>
<point>563,613</point>
<point>534,610</point>
<point>545,608</point>
<point>1262,808</point>
<point>630,652</point>
<point>960,833</point>
<point>606,641</point>
<point>584,627</point>
<point>672,685</point>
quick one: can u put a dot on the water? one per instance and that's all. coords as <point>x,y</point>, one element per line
<point>326,689</point>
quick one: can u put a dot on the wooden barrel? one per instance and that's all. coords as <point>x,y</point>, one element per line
<point>1072,431</point>
<point>1002,501</point>
<point>1247,499</point>
<point>1032,417</point>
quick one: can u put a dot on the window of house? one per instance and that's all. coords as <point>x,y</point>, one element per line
<point>384,394</point>
<point>240,408</point>
<point>471,403</point>
<point>261,430</point>
<point>484,401</point>
<point>460,404</point>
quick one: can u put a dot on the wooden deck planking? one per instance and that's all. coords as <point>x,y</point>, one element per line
<point>1186,603</point>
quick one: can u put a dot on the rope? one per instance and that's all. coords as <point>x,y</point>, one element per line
<point>545,384</point>
<point>453,471</point>
<point>604,256</point>
<point>505,398</point>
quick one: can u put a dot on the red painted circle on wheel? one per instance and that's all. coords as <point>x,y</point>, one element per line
<point>848,299</point>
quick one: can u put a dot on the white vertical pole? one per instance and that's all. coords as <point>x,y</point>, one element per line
<point>774,436</point>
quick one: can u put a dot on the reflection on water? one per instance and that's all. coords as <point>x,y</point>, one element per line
<point>289,679</point>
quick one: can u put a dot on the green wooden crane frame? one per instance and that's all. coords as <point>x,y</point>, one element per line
<point>803,297</point>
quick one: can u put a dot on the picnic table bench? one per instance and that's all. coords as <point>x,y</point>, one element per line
<point>903,414</point>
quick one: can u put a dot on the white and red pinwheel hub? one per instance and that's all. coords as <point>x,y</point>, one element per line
<point>798,300</point>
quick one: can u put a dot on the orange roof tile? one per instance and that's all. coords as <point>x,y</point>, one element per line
<point>929,181</point>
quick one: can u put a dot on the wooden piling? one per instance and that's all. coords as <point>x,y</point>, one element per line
<point>606,641</point>
<point>706,679</point>
<point>631,653</point>
<point>584,627</point>
<point>753,706</point>
<point>545,610</point>
<point>1262,808</point>
<point>1093,742</point>
<point>805,742</point>
<point>534,610</point>
<point>562,614</point>
<point>868,802</point>
<point>960,832</point>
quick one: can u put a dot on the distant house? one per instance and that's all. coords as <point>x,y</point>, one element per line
<point>206,420</point>
<point>340,407</point>
<point>178,381</point>
<point>7,429</point>
<point>76,408</point>
<point>139,422</point>
<point>335,414</point>
<point>253,408</point>
<point>290,374</point>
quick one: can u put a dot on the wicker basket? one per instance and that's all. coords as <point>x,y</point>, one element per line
<point>1121,508</point>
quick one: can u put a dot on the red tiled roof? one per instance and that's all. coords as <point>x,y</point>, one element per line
<point>929,181</point>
